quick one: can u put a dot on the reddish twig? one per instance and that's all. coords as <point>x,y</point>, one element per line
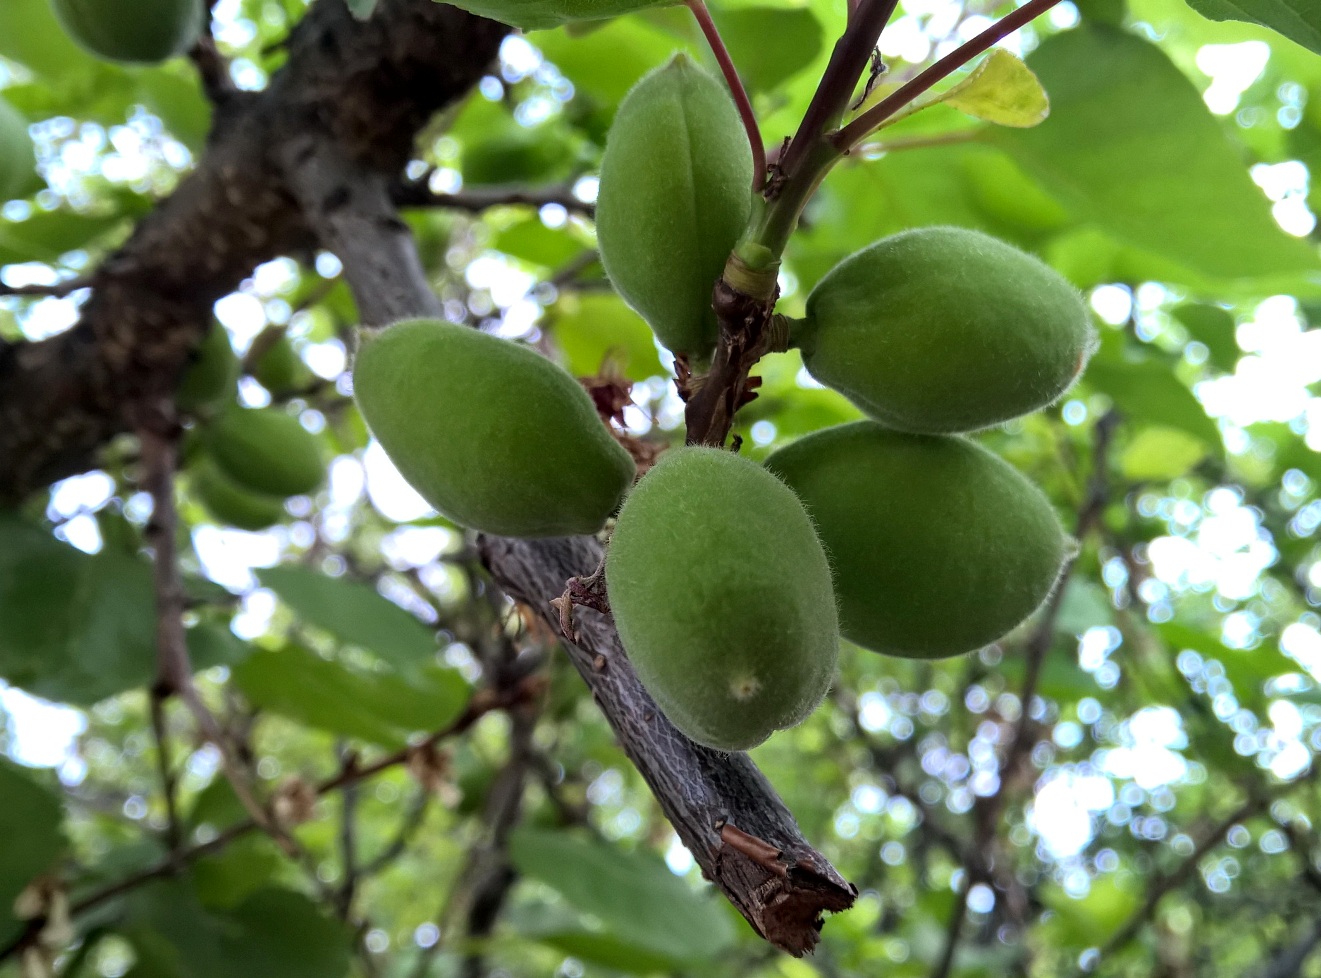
<point>736,89</point>
<point>855,131</point>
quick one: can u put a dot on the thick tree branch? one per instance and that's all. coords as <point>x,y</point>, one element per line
<point>369,87</point>
<point>712,799</point>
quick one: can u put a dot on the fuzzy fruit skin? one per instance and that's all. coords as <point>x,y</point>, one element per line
<point>17,158</point>
<point>722,596</point>
<point>211,375</point>
<point>939,547</point>
<point>280,369</point>
<point>266,451</point>
<point>232,504</point>
<point>674,198</point>
<point>944,330</point>
<point>493,435</point>
<point>142,31</point>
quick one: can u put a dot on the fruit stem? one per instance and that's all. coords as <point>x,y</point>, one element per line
<point>736,89</point>
<point>869,121</point>
<point>781,215</point>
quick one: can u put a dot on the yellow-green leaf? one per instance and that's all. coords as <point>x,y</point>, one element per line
<point>1002,90</point>
<point>1161,453</point>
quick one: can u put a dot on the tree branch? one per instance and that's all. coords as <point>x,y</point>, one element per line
<point>368,86</point>
<point>701,791</point>
<point>415,194</point>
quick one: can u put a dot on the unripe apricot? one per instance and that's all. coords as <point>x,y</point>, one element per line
<point>943,330</point>
<point>231,503</point>
<point>493,435</point>
<point>210,376</point>
<point>673,200</point>
<point>722,596</point>
<point>17,159</point>
<point>280,369</point>
<point>143,31</point>
<point>938,546</point>
<point>266,451</point>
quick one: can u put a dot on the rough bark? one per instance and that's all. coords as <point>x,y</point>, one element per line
<point>368,87</point>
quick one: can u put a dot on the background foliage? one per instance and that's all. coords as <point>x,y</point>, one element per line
<point>1160,820</point>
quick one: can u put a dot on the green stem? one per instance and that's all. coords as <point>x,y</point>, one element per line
<point>782,214</point>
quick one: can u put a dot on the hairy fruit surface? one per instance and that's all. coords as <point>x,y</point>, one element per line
<point>722,596</point>
<point>939,547</point>
<point>944,330</point>
<point>673,201</point>
<point>493,435</point>
<point>143,31</point>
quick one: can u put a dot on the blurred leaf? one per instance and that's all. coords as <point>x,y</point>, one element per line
<point>74,627</point>
<point>1161,454</point>
<point>1213,327</point>
<point>1147,392</point>
<point>1131,146</point>
<point>769,45</point>
<point>1247,669</point>
<point>605,63</point>
<point>231,876</point>
<point>1298,20</point>
<point>1002,90</point>
<point>47,235</point>
<point>1085,605</point>
<point>30,35</point>
<point>634,895</point>
<point>30,825</point>
<point>590,327</point>
<point>1089,920</point>
<point>537,244</point>
<point>380,708</point>
<point>213,644</point>
<point>354,613</point>
<point>178,102</point>
<point>273,932</point>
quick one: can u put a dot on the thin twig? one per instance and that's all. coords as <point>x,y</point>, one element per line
<point>54,290</point>
<point>169,781</point>
<point>736,89</point>
<point>415,193</point>
<point>855,131</point>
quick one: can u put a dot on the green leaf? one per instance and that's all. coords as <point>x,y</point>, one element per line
<point>74,627</point>
<point>591,327</point>
<point>537,244</point>
<point>1089,920</point>
<point>769,45</point>
<point>354,613</point>
<point>30,35</point>
<point>1148,392</point>
<point>234,874</point>
<point>30,825</point>
<point>1131,147</point>
<point>1160,454</point>
<point>213,644</point>
<point>1213,327</point>
<point>47,235</point>
<point>273,932</point>
<point>1002,90</point>
<point>636,898</point>
<point>1298,20</point>
<point>327,695</point>
<point>178,102</point>
<point>1247,669</point>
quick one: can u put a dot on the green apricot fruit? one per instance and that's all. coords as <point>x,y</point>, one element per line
<point>144,31</point>
<point>280,369</point>
<point>944,330</point>
<point>266,451</point>
<point>722,597</point>
<point>938,546</point>
<point>517,155</point>
<point>673,200</point>
<point>534,15</point>
<point>493,435</point>
<point>232,504</point>
<point>211,375</point>
<point>17,158</point>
